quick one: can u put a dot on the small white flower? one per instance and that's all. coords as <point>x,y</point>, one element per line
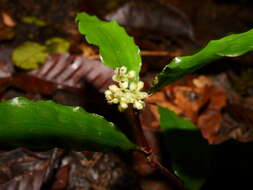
<point>138,104</point>
<point>132,86</point>
<point>108,93</point>
<point>114,88</point>
<point>123,84</point>
<point>140,85</point>
<point>123,105</point>
<point>115,100</point>
<point>142,95</point>
<point>123,70</point>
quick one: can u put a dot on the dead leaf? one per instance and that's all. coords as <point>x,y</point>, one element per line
<point>30,181</point>
<point>65,71</point>
<point>89,170</point>
<point>6,33</point>
<point>195,98</point>
<point>236,123</point>
<point>61,181</point>
<point>153,16</point>
<point>8,20</point>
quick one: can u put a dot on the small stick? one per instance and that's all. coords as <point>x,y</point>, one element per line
<point>161,53</point>
<point>149,53</point>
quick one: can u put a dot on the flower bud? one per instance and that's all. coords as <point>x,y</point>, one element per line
<point>116,78</point>
<point>115,101</point>
<point>123,105</point>
<point>108,93</point>
<point>133,86</point>
<point>142,95</point>
<point>123,84</point>
<point>122,70</point>
<point>131,74</point>
<point>140,85</point>
<point>113,88</point>
<point>138,105</point>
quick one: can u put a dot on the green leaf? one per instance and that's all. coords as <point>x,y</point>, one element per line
<point>29,55</point>
<point>170,121</point>
<point>191,182</point>
<point>116,48</point>
<point>189,152</point>
<point>34,20</point>
<point>57,45</point>
<point>44,125</point>
<point>229,46</point>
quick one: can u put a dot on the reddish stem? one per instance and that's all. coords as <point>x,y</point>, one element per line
<point>133,116</point>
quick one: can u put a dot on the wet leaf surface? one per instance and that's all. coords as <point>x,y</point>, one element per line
<point>27,119</point>
<point>170,121</point>
<point>116,48</point>
<point>171,124</point>
<point>230,46</point>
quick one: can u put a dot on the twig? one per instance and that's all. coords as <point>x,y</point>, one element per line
<point>161,53</point>
<point>149,53</point>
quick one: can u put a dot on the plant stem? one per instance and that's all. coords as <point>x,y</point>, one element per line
<point>133,116</point>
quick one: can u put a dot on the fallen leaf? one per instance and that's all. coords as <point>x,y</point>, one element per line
<point>30,181</point>
<point>62,176</point>
<point>18,164</point>
<point>196,98</point>
<point>29,55</point>
<point>235,123</point>
<point>73,71</point>
<point>65,71</point>
<point>95,170</point>
<point>8,20</point>
<point>6,33</point>
<point>57,45</point>
<point>34,20</point>
<point>153,17</point>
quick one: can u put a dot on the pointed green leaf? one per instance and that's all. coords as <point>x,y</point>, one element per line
<point>116,48</point>
<point>189,151</point>
<point>229,46</point>
<point>170,121</point>
<point>44,125</point>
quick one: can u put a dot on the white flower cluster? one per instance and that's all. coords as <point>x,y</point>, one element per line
<point>127,91</point>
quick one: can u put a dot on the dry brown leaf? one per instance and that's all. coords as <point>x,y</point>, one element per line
<point>65,71</point>
<point>195,98</point>
<point>8,20</point>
